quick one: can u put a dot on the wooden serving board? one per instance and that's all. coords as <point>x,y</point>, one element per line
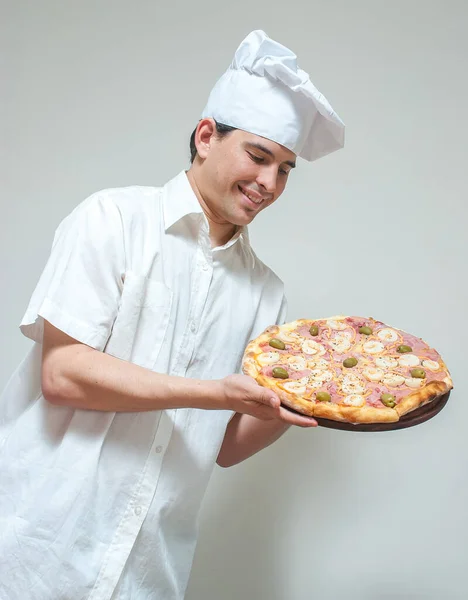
<point>415,417</point>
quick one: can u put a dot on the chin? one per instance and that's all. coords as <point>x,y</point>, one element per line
<point>243,219</point>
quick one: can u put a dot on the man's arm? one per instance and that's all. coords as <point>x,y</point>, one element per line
<point>79,376</point>
<point>76,375</point>
<point>246,435</point>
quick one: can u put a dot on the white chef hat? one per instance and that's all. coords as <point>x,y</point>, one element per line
<point>264,92</point>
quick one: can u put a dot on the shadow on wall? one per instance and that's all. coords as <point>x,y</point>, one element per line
<point>249,514</point>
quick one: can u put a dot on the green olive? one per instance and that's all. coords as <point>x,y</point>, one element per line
<point>365,330</point>
<point>403,348</point>
<point>276,343</point>
<point>350,362</point>
<point>314,330</point>
<point>388,400</point>
<point>418,373</point>
<point>280,373</point>
<point>323,396</point>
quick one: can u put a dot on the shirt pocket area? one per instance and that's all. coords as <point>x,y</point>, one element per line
<point>142,321</point>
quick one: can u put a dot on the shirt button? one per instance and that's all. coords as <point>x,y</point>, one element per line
<point>205,267</point>
<point>138,510</point>
<point>193,327</point>
<point>159,449</point>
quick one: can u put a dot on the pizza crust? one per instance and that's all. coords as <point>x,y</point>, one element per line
<point>354,414</point>
<point>426,394</point>
<point>249,365</point>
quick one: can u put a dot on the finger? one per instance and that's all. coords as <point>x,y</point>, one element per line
<point>269,398</point>
<point>265,413</point>
<point>294,419</point>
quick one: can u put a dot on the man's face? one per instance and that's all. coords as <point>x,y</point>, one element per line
<point>242,174</point>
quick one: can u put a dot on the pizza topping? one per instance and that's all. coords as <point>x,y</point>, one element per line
<point>432,365</point>
<point>372,347</point>
<point>311,347</point>
<point>340,343</point>
<point>291,337</point>
<point>318,363</point>
<point>388,400</point>
<point>418,373</point>
<point>314,330</point>
<point>413,382</point>
<point>296,387</point>
<point>280,373</point>
<point>387,335</point>
<point>268,358</point>
<point>350,362</point>
<point>278,344</point>
<point>318,377</point>
<point>333,324</point>
<point>354,400</point>
<point>373,373</point>
<point>404,348</point>
<point>321,374</point>
<point>386,362</point>
<point>365,330</point>
<point>297,363</point>
<point>409,360</point>
<point>323,397</point>
<point>393,380</point>
<point>352,384</point>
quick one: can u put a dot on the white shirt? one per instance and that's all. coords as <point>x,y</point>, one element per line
<point>101,505</point>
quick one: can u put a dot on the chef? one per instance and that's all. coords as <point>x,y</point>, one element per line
<point>131,392</point>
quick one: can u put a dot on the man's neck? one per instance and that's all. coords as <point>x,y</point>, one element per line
<point>220,233</point>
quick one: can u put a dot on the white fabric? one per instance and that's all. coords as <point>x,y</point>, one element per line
<point>264,92</point>
<point>97,505</point>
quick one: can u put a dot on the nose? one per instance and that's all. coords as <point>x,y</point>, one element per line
<point>266,179</point>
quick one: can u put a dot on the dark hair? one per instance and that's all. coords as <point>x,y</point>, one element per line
<point>221,131</point>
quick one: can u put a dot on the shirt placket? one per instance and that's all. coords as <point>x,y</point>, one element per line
<point>135,513</point>
<point>201,280</point>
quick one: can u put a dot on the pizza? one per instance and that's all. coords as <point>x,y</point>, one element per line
<point>350,369</point>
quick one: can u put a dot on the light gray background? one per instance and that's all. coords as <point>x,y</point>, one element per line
<point>106,94</point>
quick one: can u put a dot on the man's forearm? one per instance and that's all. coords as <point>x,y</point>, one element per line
<point>246,435</point>
<point>82,377</point>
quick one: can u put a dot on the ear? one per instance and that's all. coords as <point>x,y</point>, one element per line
<point>204,136</point>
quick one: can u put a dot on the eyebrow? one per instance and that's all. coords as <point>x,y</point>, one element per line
<point>291,163</point>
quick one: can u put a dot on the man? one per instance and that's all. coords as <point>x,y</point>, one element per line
<point>111,426</point>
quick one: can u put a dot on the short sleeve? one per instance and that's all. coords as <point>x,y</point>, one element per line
<point>79,290</point>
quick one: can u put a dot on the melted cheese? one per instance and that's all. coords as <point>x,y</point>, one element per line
<point>387,335</point>
<point>354,400</point>
<point>413,382</point>
<point>409,360</point>
<point>352,384</point>
<point>393,380</point>
<point>432,365</point>
<point>386,362</point>
<point>373,347</point>
<point>296,363</point>
<point>268,358</point>
<point>311,347</point>
<point>373,373</point>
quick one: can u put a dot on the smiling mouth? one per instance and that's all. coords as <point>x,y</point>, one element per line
<point>251,198</point>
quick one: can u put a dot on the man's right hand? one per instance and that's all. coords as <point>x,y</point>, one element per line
<point>242,394</point>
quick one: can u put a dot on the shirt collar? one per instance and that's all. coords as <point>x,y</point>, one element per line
<point>179,201</point>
